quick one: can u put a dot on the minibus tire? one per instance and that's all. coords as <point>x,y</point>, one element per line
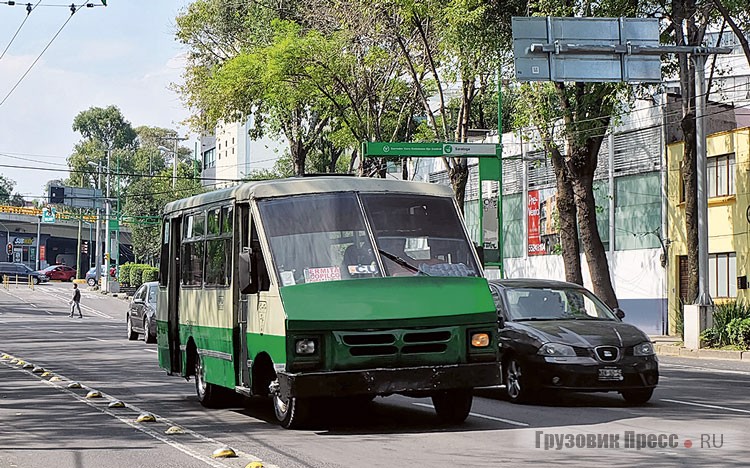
<point>292,414</point>
<point>453,406</point>
<point>210,395</point>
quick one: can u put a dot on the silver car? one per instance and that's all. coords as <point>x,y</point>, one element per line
<point>141,317</point>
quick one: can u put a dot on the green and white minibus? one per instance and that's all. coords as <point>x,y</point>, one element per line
<point>316,288</point>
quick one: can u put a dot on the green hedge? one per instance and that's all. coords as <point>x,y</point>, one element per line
<point>136,274</point>
<point>124,277</point>
<point>150,274</point>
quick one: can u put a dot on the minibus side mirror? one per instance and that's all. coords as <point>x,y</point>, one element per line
<point>248,284</point>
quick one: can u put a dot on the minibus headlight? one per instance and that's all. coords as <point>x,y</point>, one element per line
<point>305,347</point>
<point>480,340</point>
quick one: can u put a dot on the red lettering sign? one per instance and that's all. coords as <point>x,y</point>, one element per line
<point>536,247</point>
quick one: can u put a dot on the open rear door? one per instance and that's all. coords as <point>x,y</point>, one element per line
<point>173,286</point>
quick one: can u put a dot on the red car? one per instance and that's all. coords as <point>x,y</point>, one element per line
<point>60,272</point>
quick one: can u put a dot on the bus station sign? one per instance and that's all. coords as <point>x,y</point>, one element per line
<point>429,150</point>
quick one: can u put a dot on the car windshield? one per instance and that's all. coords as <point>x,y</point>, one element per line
<point>326,237</point>
<point>50,268</point>
<point>555,304</point>
<point>152,291</point>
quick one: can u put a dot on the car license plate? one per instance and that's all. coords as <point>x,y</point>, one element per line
<point>610,373</point>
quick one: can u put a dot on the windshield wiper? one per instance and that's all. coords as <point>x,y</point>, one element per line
<point>538,319</point>
<point>400,261</point>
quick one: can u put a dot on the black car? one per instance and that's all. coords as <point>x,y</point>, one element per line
<point>557,335</point>
<point>20,272</point>
<point>141,317</point>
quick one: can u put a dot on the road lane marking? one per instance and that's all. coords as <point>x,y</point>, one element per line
<point>97,339</point>
<point>708,369</point>
<point>483,416</point>
<point>216,463</point>
<point>703,405</point>
<point>57,332</point>
<point>151,350</point>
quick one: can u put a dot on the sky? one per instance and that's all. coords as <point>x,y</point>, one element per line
<point>124,54</point>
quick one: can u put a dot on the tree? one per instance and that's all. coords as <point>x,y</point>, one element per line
<point>7,197</point>
<point>572,119</point>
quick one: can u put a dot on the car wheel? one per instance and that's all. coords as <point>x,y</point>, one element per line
<point>453,406</point>
<point>147,337</point>
<point>132,335</point>
<point>36,280</point>
<point>637,397</point>
<point>210,395</point>
<point>517,386</point>
<point>91,282</point>
<point>292,413</point>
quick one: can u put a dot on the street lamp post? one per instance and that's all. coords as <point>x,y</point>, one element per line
<point>98,246</point>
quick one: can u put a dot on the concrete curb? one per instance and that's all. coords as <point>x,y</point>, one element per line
<point>674,350</point>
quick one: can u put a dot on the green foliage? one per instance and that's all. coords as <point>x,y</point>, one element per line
<point>136,274</point>
<point>150,274</point>
<point>731,323</point>
<point>7,197</point>
<point>124,273</point>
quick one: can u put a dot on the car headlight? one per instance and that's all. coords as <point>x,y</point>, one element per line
<point>643,349</point>
<point>480,340</point>
<point>305,347</point>
<point>556,350</point>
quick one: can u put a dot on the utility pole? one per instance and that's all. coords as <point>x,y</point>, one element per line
<point>175,154</point>
<point>107,233</point>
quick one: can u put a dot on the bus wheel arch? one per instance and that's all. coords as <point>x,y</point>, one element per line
<point>263,374</point>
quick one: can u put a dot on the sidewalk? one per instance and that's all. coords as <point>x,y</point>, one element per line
<point>672,346</point>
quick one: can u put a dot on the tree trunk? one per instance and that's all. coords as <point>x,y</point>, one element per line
<point>596,255</point>
<point>299,154</point>
<point>690,181</point>
<point>459,175</point>
<point>566,210</point>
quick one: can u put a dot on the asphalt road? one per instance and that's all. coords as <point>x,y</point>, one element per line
<point>699,415</point>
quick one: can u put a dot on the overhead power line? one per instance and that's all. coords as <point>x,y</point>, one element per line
<point>73,10</point>
<point>29,9</point>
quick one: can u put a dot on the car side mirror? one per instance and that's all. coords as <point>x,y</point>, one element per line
<point>619,313</point>
<point>500,321</point>
<point>247,285</point>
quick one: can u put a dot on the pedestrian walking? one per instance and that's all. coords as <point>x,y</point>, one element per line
<point>76,301</point>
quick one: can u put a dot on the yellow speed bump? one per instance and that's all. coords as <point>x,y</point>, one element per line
<point>145,417</point>
<point>46,374</point>
<point>5,357</point>
<point>37,370</point>
<point>175,430</point>
<point>28,365</point>
<point>223,452</point>
<point>14,361</point>
<point>93,394</point>
<point>116,404</point>
<point>55,379</point>
<point>255,464</point>
<point>74,385</point>
<point>19,362</point>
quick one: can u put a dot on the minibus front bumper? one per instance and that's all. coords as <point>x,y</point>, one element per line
<point>382,381</point>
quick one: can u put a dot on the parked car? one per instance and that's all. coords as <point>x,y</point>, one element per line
<point>91,275</point>
<point>22,272</point>
<point>559,336</point>
<point>141,317</point>
<point>60,272</point>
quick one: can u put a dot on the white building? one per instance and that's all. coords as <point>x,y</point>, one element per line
<point>230,154</point>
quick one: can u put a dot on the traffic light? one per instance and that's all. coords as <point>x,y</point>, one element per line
<point>9,248</point>
<point>106,257</point>
<point>57,194</point>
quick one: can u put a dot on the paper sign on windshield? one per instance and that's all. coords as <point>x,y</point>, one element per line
<point>316,275</point>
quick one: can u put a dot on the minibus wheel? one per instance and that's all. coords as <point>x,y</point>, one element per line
<point>292,413</point>
<point>453,406</point>
<point>208,394</point>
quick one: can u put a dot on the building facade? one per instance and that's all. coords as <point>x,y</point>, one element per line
<point>728,180</point>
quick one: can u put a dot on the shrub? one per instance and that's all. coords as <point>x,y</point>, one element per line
<point>723,315</point>
<point>136,274</point>
<point>124,277</point>
<point>150,274</point>
<point>738,331</point>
